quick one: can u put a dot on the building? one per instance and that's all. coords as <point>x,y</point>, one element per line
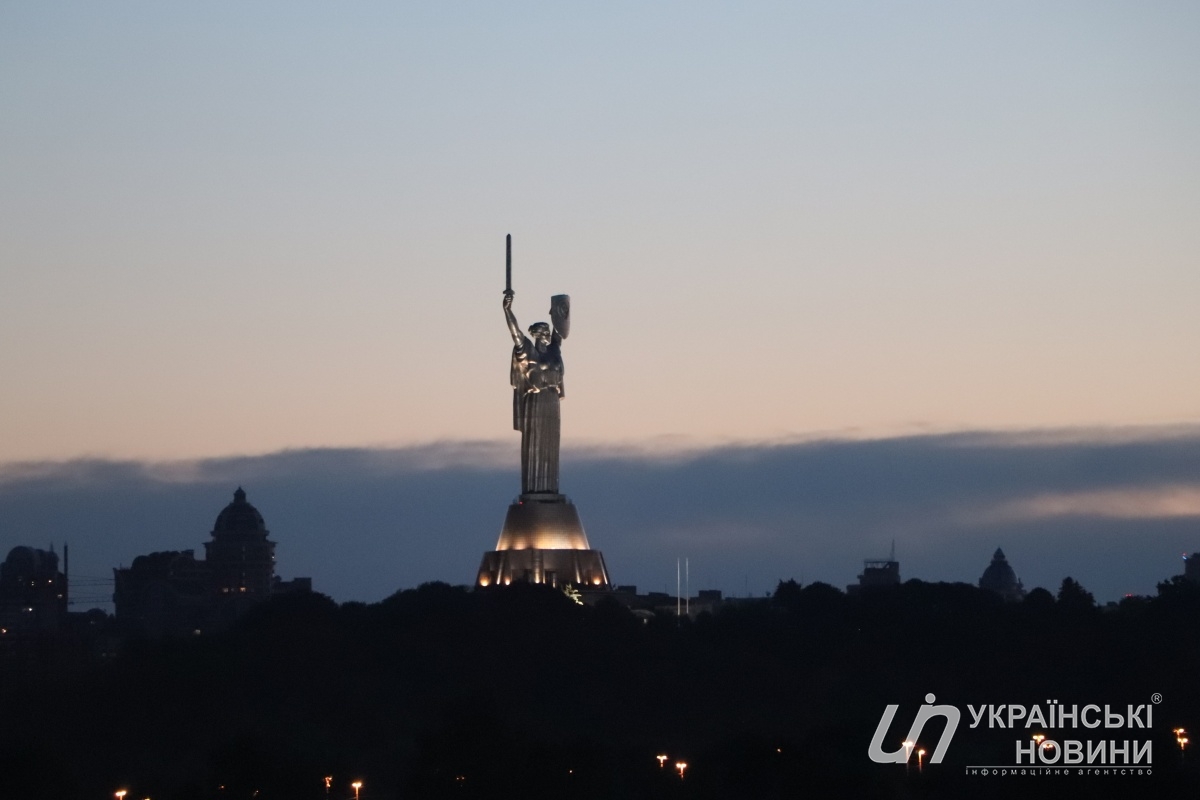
<point>241,559</point>
<point>647,606</point>
<point>1191,567</point>
<point>172,592</point>
<point>164,593</point>
<point>33,592</point>
<point>1000,578</point>
<point>877,572</point>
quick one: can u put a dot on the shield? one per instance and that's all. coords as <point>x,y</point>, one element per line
<point>560,314</point>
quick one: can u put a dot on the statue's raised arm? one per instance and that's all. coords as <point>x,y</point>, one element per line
<point>513,327</point>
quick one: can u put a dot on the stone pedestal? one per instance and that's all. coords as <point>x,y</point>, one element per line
<point>543,541</point>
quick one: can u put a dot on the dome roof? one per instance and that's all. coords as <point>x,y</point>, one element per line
<point>239,517</point>
<point>999,576</point>
<point>29,562</point>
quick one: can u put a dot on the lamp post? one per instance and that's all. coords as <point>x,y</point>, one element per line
<point>662,761</point>
<point>921,760</point>
<point>681,766</point>
<point>1182,740</point>
<point>908,748</point>
<point>120,794</point>
<point>356,786</point>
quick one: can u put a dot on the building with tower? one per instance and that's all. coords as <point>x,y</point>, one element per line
<point>877,573</point>
<point>171,592</point>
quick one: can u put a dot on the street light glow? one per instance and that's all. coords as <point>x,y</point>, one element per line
<point>908,745</point>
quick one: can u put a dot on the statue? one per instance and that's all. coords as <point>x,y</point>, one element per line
<point>542,540</point>
<point>537,381</point>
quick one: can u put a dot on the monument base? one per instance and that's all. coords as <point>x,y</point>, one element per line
<point>581,568</point>
<point>543,541</point>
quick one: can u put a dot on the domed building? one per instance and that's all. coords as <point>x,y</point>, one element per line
<point>241,559</point>
<point>173,593</point>
<point>1000,578</point>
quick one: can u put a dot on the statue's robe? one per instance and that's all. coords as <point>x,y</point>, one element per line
<point>537,380</point>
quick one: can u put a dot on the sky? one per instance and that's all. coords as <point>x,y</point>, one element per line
<point>232,234</point>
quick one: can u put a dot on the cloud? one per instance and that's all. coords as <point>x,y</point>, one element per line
<point>1165,502</point>
<point>1110,508</point>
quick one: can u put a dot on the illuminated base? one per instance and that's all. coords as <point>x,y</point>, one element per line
<point>542,522</point>
<point>543,541</point>
<point>580,568</point>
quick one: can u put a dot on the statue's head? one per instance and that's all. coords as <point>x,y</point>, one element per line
<point>540,331</point>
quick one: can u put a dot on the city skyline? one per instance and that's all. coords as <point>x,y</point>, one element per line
<point>239,238</point>
<point>1114,515</point>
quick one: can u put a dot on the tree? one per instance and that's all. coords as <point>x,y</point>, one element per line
<point>1039,600</point>
<point>787,592</point>
<point>1073,597</point>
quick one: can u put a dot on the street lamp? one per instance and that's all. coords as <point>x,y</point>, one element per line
<point>908,747</point>
<point>120,794</point>
<point>662,761</point>
<point>1181,739</point>
<point>681,766</point>
<point>921,760</point>
<point>356,786</point>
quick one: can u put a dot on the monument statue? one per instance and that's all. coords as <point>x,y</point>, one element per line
<point>537,381</point>
<point>542,540</point>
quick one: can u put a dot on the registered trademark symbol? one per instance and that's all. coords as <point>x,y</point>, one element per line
<point>1156,698</point>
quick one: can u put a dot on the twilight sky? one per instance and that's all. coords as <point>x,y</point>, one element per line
<point>228,230</point>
